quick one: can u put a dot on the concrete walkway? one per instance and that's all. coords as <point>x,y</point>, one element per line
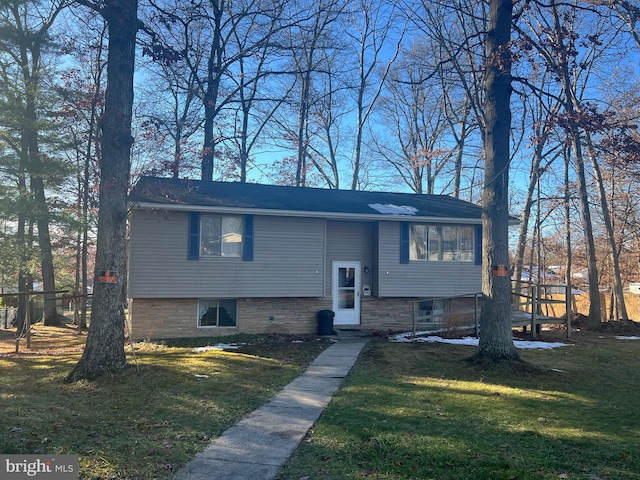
<point>257,446</point>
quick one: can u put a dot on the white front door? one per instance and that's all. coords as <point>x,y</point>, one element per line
<point>346,293</point>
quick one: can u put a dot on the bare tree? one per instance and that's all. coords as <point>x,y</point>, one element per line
<point>257,100</point>
<point>542,108</point>
<point>374,33</point>
<point>172,108</point>
<point>328,113</point>
<point>454,33</point>
<point>309,42</point>
<point>82,89</point>
<point>570,55</point>
<point>215,40</point>
<point>415,125</point>
<point>618,295</point>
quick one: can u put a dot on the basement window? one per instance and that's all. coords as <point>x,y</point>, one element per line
<point>431,311</point>
<point>217,313</point>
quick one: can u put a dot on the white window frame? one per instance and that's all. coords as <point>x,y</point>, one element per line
<point>434,234</point>
<point>225,221</point>
<point>205,303</point>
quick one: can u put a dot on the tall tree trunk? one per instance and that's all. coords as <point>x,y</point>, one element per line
<point>41,212</point>
<point>620,310</point>
<point>214,73</point>
<point>572,106</point>
<point>567,228</point>
<point>50,311</point>
<point>595,313</point>
<point>524,222</point>
<point>496,340</point>
<point>541,133</point>
<point>22,238</point>
<point>30,63</point>
<point>105,343</point>
<point>303,121</point>
<point>460,139</point>
<point>209,147</point>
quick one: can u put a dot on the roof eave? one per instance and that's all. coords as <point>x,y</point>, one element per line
<point>299,213</point>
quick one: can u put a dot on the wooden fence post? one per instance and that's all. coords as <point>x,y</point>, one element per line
<point>29,312</point>
<point>476,315</point>
<point>567,298</point>
<point>534,310</point>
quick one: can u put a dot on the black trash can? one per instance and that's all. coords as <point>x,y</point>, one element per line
<point>325,322</point>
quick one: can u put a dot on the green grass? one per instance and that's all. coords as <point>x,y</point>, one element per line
<point>423,411</point>
<point>142,423</point>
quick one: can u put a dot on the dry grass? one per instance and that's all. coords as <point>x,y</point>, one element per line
<point>422,411</point>
<point>44,340</point>
<point>139,423</point>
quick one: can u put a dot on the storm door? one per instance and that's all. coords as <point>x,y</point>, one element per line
<point>346,293</point>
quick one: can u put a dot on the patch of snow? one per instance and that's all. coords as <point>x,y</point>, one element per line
<point>220,346</point>
<point>394,209</point>
<point>539,345</point>
<point>622,337</point>
<point>523,344</point>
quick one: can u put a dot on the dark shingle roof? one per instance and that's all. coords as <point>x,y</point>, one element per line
<point>170,192</point>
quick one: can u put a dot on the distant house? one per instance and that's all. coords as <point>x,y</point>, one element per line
<point>209,258</point>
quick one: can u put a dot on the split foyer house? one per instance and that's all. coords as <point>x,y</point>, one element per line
<point>210,258</point>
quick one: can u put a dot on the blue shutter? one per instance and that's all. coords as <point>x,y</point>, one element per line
<point>404,242</point>
<point>194,236</point>
<point>247,239</point>
<point>478,245</point>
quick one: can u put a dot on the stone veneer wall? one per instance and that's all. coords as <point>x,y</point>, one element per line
<point>386,314</point>
<point>396,314</point>
<point>171,318</point>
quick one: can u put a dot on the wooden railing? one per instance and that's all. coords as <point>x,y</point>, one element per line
<point>531,300</point>
<point>530,309</point>
<point>441,317</point>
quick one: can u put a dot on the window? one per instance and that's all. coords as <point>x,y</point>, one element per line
<point>220,236</point>
<point>431,311</point>
<point>441,243</point>
<point>217,313</point>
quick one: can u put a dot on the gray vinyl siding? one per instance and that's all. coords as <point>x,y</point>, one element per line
<point>289,260</point>
<point>375,277</point>
<point>349,242</point>
<point>420,278</point>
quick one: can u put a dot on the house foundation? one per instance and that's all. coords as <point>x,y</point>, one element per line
<point>155,318</point>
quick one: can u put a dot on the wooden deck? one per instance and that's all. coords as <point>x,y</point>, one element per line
<point>520,318</point>
<point>533,299</point>
<point>529,298</point>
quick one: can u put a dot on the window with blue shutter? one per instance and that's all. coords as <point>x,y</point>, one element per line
<point>478,242</point>
<point>219,236</point>
<point>404,242</point>
<point>247,246</point>
<point>194,236</point>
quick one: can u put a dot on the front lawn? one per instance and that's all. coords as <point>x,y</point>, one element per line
<point>422,411</point>
<point>144,422</point>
